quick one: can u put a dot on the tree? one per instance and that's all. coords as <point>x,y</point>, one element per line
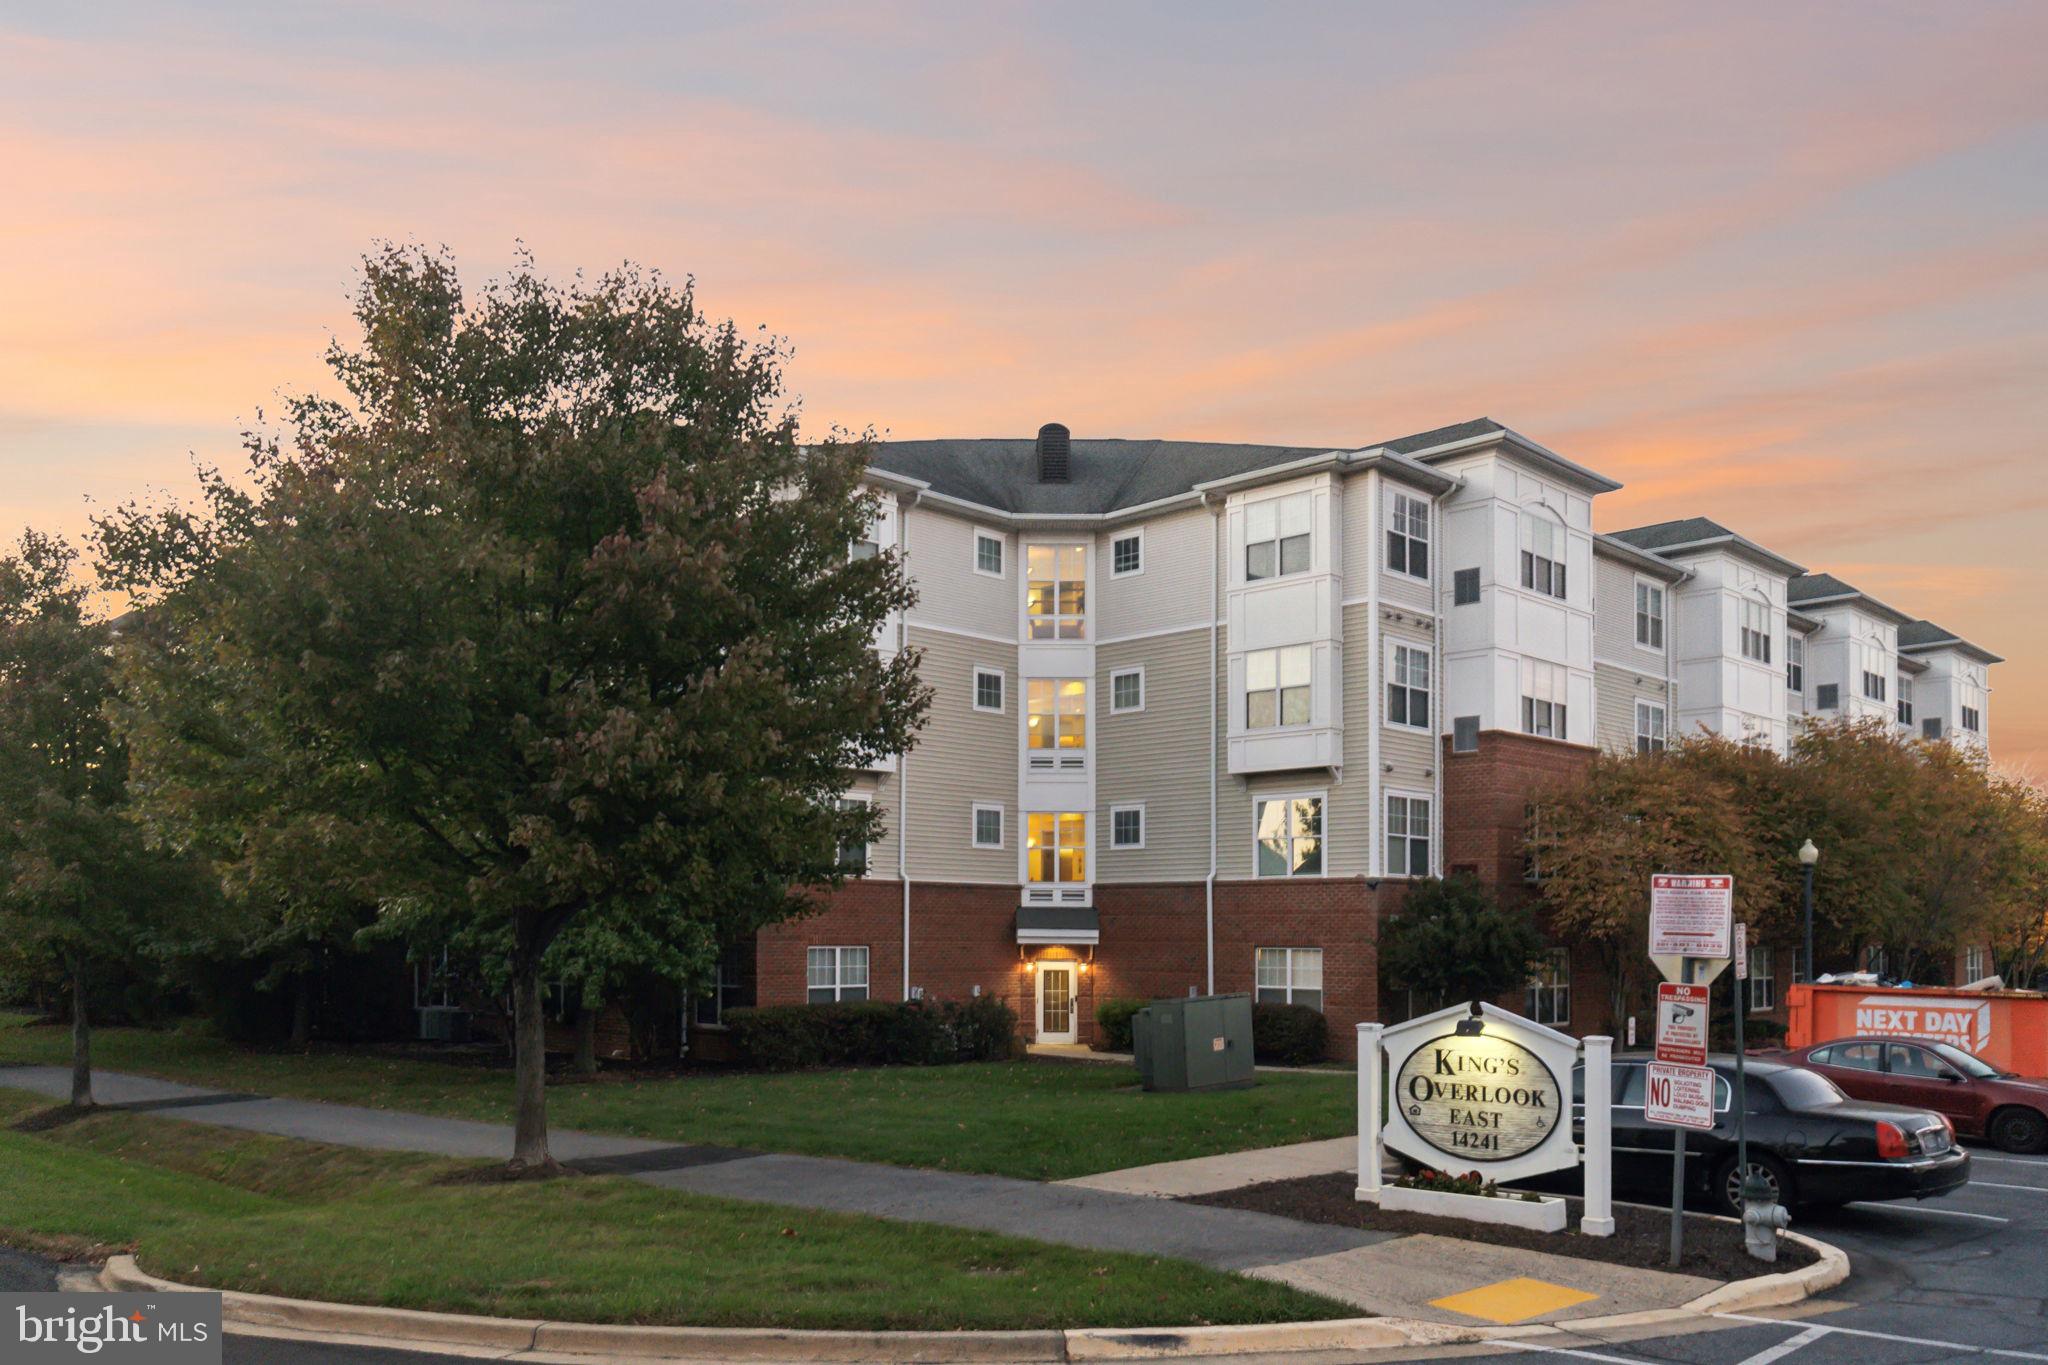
<point>79,882</point>
<point>557,585</point>
<point>1453,941</point>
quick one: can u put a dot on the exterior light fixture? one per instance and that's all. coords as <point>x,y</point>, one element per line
<point>1472,1026</point>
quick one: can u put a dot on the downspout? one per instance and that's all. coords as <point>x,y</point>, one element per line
<point>1376,675</point>
<point>1216,531</point>
<point>1436,683</point>
<point>903,759</point>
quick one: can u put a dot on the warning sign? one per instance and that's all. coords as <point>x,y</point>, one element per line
<point>1681,1023</point>
<point>1691,916</point>
<point>1679,1096</point>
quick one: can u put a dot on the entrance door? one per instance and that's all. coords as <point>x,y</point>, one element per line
<point>1056,1021</point>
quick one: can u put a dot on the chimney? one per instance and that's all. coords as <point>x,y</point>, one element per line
<point>1054,447</point>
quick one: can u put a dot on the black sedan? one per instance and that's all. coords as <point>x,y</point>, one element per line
<point>1810,1142</point>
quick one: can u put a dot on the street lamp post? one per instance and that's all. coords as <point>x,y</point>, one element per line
<point>1808,856</point>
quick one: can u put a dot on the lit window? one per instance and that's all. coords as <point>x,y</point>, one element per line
<point>988,689</point>
<point>1649,728</point>
<point>1056,596</point>
<point>1756,630</point>
<point>1543,699</point>
<point>1408,687</point>
<point>1290,836</point>
<point>1127,554</point>
<point>1408,536</point>
<point>836,974</point>
<point>1649,615</point>
<point>1056,713</point>
<point>1056,846</point>
<point>1550,988</point>
<point>988,554</point>
<point>1407,836</point>
<point>1276,537</point>
<point>1126,826</point>
<point>1763,981</point>
<point>1290,976</point>
<point>1276,687</point>
<point>1127,690</point>
<point>1542,555</point>
<point>988,826</point>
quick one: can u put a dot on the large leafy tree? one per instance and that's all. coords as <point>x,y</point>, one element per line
<point>1452,940</point>
<point>556,586</point>
<point>81,886</point>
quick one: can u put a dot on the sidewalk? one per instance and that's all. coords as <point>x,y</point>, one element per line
<point>1387,1274</point>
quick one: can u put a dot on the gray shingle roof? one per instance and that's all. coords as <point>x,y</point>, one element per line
<point>1664,533</point>
<point>1920,635</point>
<point>1809,587</point>
<point>1110,475</point>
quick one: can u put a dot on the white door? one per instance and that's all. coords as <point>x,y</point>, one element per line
<point>1056,1019</point>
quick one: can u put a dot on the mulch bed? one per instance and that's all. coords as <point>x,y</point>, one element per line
<point>1642,1237</point>
<point>58,1116</point>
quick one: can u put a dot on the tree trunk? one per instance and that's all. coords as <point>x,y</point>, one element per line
<point>529,1066</point>
<point>302,1009</point>
<point>81,1040</point>
<point>586,1041</point>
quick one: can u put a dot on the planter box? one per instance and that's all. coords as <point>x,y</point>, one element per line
<point>1543,1214</point>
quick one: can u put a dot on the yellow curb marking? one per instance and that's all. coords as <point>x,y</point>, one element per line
<point>1515,1300</point>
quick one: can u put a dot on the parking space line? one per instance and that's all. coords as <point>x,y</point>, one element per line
<point>1786,1347</point>
<point>1568,1351</point>
<point>2000,1351</point>
<point>1938,1213</point>
<point>1994,1185</point>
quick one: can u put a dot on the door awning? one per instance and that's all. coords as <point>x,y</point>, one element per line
<point>1058,924</point>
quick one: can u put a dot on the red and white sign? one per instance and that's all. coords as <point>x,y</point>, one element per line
<point>1742,950</point>
<point>1691,916</point>
<point>1679,1096</point>
<point>1682,1023</point>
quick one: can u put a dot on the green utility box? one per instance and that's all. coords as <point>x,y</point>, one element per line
<point>1201,1043</point>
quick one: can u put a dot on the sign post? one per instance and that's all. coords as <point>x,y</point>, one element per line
<point>1691,930</point>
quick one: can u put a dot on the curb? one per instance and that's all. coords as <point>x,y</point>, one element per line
<point>519,1336</point>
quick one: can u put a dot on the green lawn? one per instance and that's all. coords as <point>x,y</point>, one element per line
<point>270,1215</point>
<point>1036,1120</point>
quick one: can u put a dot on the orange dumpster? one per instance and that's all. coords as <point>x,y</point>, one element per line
<point>2008,1029</point>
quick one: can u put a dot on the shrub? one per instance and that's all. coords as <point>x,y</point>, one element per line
<point>1113,1016</point>
<point>1288,1035</point>
<point>874,1033</point>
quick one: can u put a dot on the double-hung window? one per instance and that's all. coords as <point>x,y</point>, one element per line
<point>1755,628</point>
<point>1550,988</point>
<point>1543,542</point>
<point>1056,592</point>
<point>1650,736</point>
<point>1543,699</point>
<point>1408,536</point>
<point>1290,836</point>
<point>1870,661</point>
<point>1649,615</point>
<point>1407,835</point>
<point>1408,686</point>
<point>834,974</point>
<point>1795,663</point>
<point>1056,713</point>
<point>853,855</point>
<point>1056,846</point>
<point>1290,976</point>
<point>1973,719</point>
<point>1276,686</point>
<point>1905,700</point>
<point>1276,537</point>
<point>1763,979</point>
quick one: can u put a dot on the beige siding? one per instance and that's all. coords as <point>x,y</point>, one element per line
<point>1175,587</point>
<point>949,592</point>
<point>1344,813</point>
<point>1412,754</point>
<point>1618,691</point>
<point>963,756</point>
<point>1156,757</point>
<point>1614,617</point>
<point>1399,589</point>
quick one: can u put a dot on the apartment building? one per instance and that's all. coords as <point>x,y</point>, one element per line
<point>1203,711</point>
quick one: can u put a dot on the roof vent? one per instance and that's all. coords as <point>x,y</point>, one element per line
<point>1055,446</point>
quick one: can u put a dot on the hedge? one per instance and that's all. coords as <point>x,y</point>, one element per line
<point>1113,1016</point>
<point>1288,1035</point>
<point>874,1033</point>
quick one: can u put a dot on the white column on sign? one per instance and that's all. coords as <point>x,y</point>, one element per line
<point>1599,1150</point>
<point>1369,1113</point>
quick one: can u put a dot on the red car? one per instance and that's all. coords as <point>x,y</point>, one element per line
<point>1979,1099</point>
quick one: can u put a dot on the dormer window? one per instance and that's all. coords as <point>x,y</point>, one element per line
<point>1277,537</point>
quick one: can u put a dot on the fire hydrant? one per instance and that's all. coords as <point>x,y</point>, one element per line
<point>1762,1219</point>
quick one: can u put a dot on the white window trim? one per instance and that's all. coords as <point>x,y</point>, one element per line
<point>1246,691</point>
<point>867,860</point>
<point>1003,549</point>
<point>1548,993</point>
<point>1086,618</point>
<point>1663,613</point>
<point>1663,735</point>
<point>1770,961</point>
<point>1116,710</point>
<point>1133,533</point>
<point>974,824</point>
<point>839,984</point>
<point>1138,806</point>
<point>1024,850</point>
<point>1321,794</point>
<point>1428,546</point>
<point>1241,571</point>
<point>1428,692</point>
<point>1288,990</point>
<point>1001,676</point>
<point>1428,834</point>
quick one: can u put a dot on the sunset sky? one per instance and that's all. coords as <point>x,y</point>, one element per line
<point>1781,265</point>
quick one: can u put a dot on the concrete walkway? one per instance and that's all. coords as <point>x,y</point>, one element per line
<point>1133,1210</point>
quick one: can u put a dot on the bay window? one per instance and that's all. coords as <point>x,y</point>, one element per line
<point>1276,686</point>
<point>1543,543</point>
<point>1277,537</point>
